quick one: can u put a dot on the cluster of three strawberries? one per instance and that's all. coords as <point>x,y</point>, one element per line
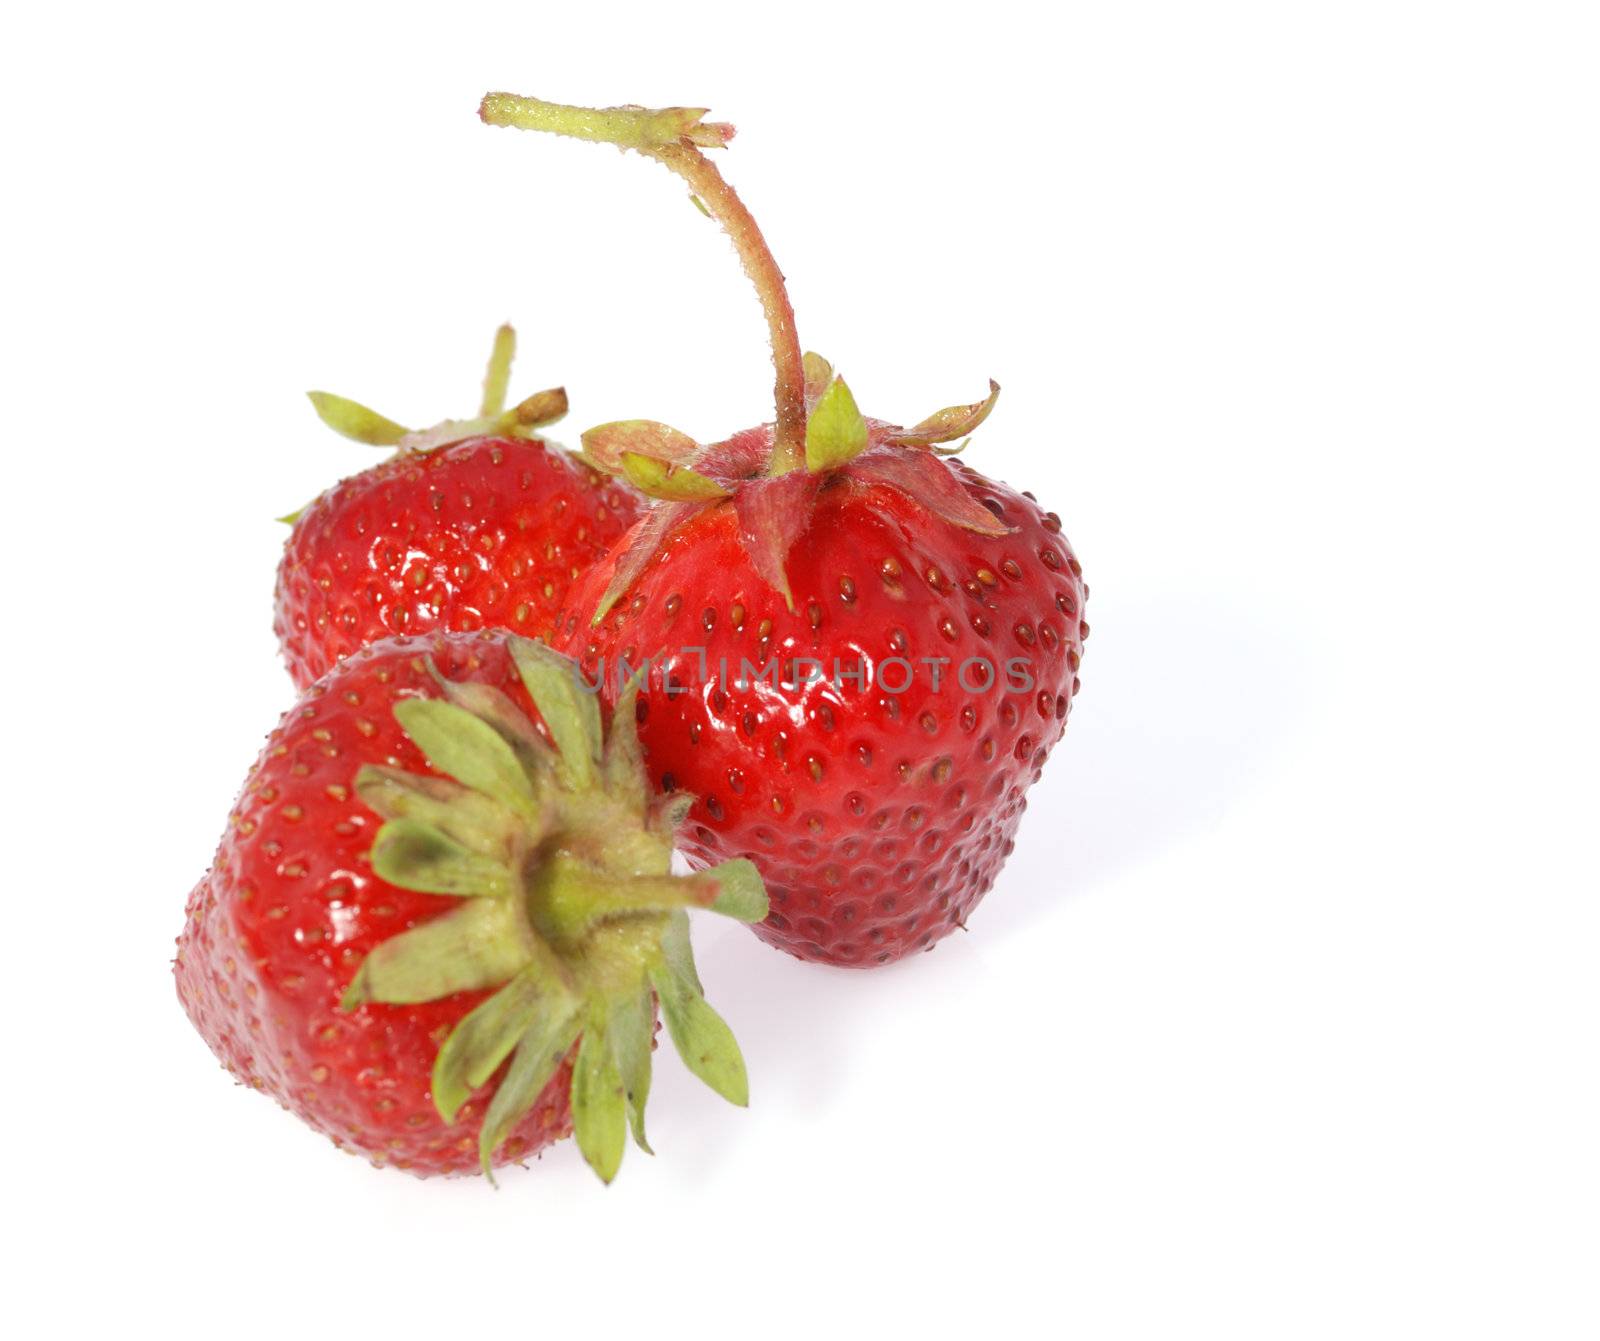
<point>443,922</point>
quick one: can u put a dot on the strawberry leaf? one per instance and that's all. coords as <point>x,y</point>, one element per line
<point>623,765</point>
<point>571,713</point>
<point>957,421</point>
<point>932,484</point>
<point>355,421</point>
<point>494,706</point>
<point>484,1039</point>
<point>599,1106</point>
<point>701,1036</point>
<point>466,816</point>
<point>470,947</point>
<point>605,444</point>
<point>414,855</point>
<point>835,431</point>
<point>819,376</point>
<point>631,1030</point>
<point>468,749</point>
<point>773,513</point>
<point>540,1052</point>
<point>660,479</point>
<point>740,893</point>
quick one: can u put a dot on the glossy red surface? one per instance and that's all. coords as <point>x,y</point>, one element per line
<point>290,908</point>
<point>485,533</point>
<point>878,818</point>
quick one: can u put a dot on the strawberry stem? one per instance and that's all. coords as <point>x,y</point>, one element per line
<point>674,136</point>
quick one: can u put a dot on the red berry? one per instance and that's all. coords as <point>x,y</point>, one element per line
<point>472,524</point>
<point>486,533</point>
<point>879,802</point>
<point>330,958</point>
<point>940,614</point>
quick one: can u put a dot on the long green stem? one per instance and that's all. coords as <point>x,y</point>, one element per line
<point>673,136</point>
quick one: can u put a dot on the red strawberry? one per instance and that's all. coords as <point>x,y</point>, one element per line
<point>441,916</point>
<point>939,612</point>
<point>472,524</point>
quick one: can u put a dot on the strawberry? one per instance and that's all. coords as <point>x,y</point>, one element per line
<point>441,917</point>
<point>860,651</point>
<point>471,524</point>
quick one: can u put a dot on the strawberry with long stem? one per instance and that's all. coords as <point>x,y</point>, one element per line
<point>880,806</point>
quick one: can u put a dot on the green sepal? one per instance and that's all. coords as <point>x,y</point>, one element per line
<point>677,953</point>
<point>468,749</point>
<point>622,768</point>
<point>494,706</point>
<point>955,421</point>
<point>480,944</point>
<point>740,893</point>
<point>605,444</point>
<point>674,484</point>
<point>364,425</point>
<point>470,818</point>
<point>599,1106</point>
<point>546,1043</point>
<point>484,1039</point>
<point>701,1036</point>
<point>562,856</point>
<point>355,421</point>
<point>497,377</point>
<point>819,376</point>
<point>631,1031</point>
<point>571,713</point>
<point>672,811</point>
<point>414,855</point>
<point>836,432</point>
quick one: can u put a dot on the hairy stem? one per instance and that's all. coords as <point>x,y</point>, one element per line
<point>673,136</point>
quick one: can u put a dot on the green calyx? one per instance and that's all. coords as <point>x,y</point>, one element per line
<point>664,463</point>
<point>836,431</point>
<point>355,421</point>
<point>653,458</point>
<point>560,858</point>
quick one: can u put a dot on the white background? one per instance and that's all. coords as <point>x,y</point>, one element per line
<point>1281,1022</point>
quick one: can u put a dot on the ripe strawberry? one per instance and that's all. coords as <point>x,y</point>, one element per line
<point>437,926</point>
<point>861,652</point>
<point>471,524</point>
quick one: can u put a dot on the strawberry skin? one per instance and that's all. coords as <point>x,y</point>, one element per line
<point>290,908</point>
<point>878,819</point>
<point>442,918</point>
<point>486,532</point>
<point>925,623</point>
